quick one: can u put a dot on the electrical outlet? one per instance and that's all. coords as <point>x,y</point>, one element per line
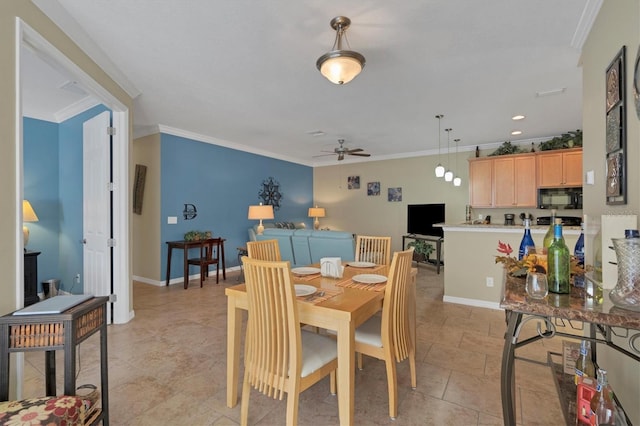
<point>77,278</point>
<point>489,281</point>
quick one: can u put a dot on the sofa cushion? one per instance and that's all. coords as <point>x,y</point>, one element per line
<point>300,242</point>
<point>284,242</point>
<point>332,244</point>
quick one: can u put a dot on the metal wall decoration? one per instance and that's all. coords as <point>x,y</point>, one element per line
<point>138,188</point>
<point>616,131</point>
<point>189,212</point>
<point>270,193</point>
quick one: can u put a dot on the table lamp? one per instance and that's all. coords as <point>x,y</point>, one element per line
<point>316,212</point>
<point>28,215</point>
<point>260,212</point>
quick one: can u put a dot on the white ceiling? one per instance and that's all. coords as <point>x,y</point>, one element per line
<point>242,73</point>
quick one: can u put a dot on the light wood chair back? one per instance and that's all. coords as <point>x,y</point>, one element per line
<point>209,255</point>
<point>373,249</point>
<point>264,250</point>
<point>391,337</point>
<point>280,357</point>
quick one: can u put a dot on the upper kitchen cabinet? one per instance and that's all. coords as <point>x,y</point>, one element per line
<point>503,181</point>
<point>481,182</point>
<point>514,181</point>
<point>560,168</point>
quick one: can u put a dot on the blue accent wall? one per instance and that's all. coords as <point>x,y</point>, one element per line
<point>222,183</point>
<point>52,156</point>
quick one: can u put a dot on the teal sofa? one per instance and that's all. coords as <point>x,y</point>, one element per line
<point>304,246</point>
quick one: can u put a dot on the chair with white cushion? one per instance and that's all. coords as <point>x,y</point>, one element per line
<point>280,357</point>
<point>390,337</point>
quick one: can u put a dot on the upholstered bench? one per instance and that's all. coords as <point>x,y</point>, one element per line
<point>50,410</point>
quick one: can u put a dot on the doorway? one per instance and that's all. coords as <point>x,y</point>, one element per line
<point>29,38</point>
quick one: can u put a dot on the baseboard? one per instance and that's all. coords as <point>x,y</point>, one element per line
<point>178,280</point>
<point>472,302</point>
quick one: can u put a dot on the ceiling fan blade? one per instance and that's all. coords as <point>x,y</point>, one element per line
<point>351,151</point>
<point>358,154</point>
<point>323,155</point>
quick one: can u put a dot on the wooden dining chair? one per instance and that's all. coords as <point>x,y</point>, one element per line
<point>264,250</point>
<point>390,337</point>
<point>280,357</point>
<point>373,249</point>
<point>209,255</point>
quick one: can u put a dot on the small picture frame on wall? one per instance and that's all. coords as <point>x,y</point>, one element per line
<point>373,188</point>
<point>394,194</point>
<point>616,132</point>
<point>353,182</point>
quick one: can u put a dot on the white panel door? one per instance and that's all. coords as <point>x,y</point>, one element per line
<point>97,206</point>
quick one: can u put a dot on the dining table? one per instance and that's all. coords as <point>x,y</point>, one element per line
<point>339,304</point>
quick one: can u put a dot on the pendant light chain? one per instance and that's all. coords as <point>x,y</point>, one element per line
<point>439,168</point>
<point>448,176</point>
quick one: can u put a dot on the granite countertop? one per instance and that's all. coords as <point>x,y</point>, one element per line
<point>578,306</point>
<point>502,226</point>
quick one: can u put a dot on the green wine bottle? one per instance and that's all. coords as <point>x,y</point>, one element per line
<point>548,237</point>
<point>558,262</point>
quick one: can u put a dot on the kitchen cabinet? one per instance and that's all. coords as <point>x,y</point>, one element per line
<point>562,168</point>
<point>503,181</point>
<point>481,182</point>
<point>514,181</point>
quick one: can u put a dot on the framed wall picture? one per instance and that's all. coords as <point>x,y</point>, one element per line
<point>373,188</point>
<point>616,131</point>
<point>353,182</point>
<point>395,194</point>
<point>138,187</point>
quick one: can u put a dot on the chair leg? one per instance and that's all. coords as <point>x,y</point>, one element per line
<point>412,368</point>
<point>203,269</point>
<point>292,408</point>
<point>244,403</point>
<point>392,385</point>
<point>217,274</point>
<point>359,360</point>
<point>333,384</point>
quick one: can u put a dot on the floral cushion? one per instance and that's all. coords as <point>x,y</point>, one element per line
<point>48,410</point>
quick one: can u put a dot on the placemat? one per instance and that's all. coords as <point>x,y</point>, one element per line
<point>309,277</point>
<point>315,298</point>
<point>361,286</point>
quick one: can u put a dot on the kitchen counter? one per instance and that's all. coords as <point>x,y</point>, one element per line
<point>480,227</point>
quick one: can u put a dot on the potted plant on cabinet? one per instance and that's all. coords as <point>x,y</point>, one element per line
<point>421,250</point>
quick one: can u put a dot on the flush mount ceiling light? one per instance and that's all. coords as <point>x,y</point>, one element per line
<point>439,168</point>
<point>516,132</point>
<point>517,117</point>
<point>340,66</point>
<point>448,176</point>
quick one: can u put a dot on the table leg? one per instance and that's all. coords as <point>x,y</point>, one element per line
<point>50,372</point>
<point>507,374</point>
<point>346,372</point>
<point>224,266</point>
<point>438,256</point>
<point>69,364</point>
<point>234,325</point>
<point>185,252</point>
<point>169,250</point>
<point>104,372</point>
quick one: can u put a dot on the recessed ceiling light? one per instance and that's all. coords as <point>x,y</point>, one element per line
<point>517,117</point>
<point>516,132</point>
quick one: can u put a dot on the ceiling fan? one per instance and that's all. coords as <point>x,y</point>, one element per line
<point>341,151</point>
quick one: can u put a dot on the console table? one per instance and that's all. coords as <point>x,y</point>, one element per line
<point>430,238</point>
<point>51,332</point>
<point>185,246</point>
<point>599,319</point>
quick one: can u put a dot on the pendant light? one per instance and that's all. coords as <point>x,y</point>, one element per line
<point>439,168</point>
<point>448,175</point>
<point>340,66</point>
<point>457,181</point>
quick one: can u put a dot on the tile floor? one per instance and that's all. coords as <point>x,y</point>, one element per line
<point>167,367</point>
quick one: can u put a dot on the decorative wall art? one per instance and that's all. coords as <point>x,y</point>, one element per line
<point>270,193</point>
<point>138,188</point>
<point>189,212</point>
<point>395,194</point>
<point>353,182</point>
<point>373,188</point>
<point>616,131</point>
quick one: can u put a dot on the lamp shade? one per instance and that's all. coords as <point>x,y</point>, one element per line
<point>316,212</point>
<point>28,214</point>
<point>260,212</point>
<point>341,66</point>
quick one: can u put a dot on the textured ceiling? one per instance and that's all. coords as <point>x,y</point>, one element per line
<point>242,73</point>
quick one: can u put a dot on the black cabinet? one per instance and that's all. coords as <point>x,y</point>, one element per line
<point>31,277</point>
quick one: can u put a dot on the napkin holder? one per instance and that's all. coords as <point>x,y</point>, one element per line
<point>331,267</point>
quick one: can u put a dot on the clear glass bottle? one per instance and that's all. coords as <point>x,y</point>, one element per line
<point>527,241</point>
<point>584,363</point>
<point>602,406</point>
<point>558,262</point>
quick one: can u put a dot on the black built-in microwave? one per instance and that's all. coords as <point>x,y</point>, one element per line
<point>560,198</point>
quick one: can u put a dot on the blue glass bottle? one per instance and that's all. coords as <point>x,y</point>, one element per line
<point>527,241</point>
<point>578,250</point>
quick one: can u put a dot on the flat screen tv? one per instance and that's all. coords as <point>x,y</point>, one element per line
<point>421,217</point>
